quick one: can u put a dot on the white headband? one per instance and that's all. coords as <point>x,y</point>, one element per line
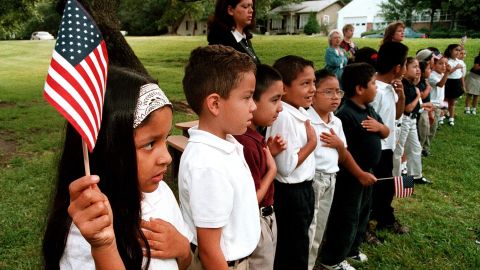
<point>151,97</point>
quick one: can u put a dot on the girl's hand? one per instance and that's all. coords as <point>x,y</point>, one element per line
<point>276,144</point>
<point>371,125</point>
<point>331,139</point>
<point>91,212</point>
<point>164,240</point>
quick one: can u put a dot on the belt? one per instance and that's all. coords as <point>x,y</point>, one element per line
<point>399,124</point>
<point>266,211</point>
<point>236,262</point>
<point>411,115</point>
<point>193,247</point>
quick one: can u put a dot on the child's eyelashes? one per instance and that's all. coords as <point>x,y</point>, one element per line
<point>148,146</point>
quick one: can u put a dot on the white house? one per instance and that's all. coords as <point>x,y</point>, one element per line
<point>363,14</point>
<point>292,18</point>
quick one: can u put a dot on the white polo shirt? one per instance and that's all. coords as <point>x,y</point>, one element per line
<point>385,105</point>
<point>290,124</point>
<point>161,204</point>
<point>458,73</point>
<point>326,158</point>
<point>437,94</point>
<point>217,191</point>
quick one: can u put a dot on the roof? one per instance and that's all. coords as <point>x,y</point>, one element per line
<point>358,8</point>
<point>305,7</point>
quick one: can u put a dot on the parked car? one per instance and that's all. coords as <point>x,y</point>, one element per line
<point>41,35</point>
<point>408,33</point>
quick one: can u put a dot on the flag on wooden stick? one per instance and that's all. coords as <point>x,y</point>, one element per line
<point>403,186</point>
<point>77,75</point>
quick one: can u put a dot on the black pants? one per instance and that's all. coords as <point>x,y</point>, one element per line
<point>347,221</point>
<point>383,191</point>
<point>294,212</point>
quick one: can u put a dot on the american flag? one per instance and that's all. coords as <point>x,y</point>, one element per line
<point>77,75</point>
<point>403,186</point>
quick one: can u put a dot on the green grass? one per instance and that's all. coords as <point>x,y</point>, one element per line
<point>444,218</point>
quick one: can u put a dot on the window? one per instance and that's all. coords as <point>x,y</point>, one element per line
<point>303,20</point>
<point>326,19</point>
<point>276,24</point>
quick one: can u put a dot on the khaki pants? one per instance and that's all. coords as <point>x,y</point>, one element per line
<point>323,187</point>
<point>408,142</point>
<point>264,254</point>
<point>197,264</point>
<point>424,130</point>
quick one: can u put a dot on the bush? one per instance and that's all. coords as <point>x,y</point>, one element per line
<point>371,32</point>
<point>312,26</point>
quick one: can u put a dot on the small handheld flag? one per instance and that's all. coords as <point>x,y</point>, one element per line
<point>403,186</point>
<point>77,75</point>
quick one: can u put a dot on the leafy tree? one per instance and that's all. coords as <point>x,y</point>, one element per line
<point>399,10</point>
<point>177,10</point>
<point>312,26</point>
<point>142,17</point>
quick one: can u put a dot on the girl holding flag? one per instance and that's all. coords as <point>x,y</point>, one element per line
<point>124,216</point>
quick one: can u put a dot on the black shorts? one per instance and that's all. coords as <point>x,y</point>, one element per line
<point>453,88</point>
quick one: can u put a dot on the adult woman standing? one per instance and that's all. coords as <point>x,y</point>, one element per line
<point>231,25</point>
<point>394,32</point>
<point>335,56</point>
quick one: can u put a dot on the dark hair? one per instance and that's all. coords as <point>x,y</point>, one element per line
<point>290,66</point>
<point>410,60</point>
<point>347,27</point>
<point>266,76</point>
<point>114,160</point>
<point>390,31</point>
<point>435,50</point>
<point>321,75</point>
<point>448,50</point>
<point>423,66</point>
<point>224,21</point>
<point>390,55</point>
<point>366,55</point>
<point>354,75</point>
<point>213,69</point>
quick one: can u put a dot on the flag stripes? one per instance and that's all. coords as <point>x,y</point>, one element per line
<point>403,186</point>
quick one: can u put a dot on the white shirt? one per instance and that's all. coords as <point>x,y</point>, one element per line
<point>238,36</point>
<point>437,94</point>
<point>385,105</point>
<point>458,73</point>
<point>290,124</point>
<point>161,203</point>
<point>464,67</point>
<point>217,191</point>
<point>326,158</point>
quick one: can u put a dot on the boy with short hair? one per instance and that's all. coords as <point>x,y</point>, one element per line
<point>389,103</point>
<point>259,156</point>
<point>440,71</point>
<point>217,192</point>
<point>351,202</point>
<point>330,151</point>
<point>294,198</point>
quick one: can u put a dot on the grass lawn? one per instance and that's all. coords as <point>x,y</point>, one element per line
<point>444,218</point>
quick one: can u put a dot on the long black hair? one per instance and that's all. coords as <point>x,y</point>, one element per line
<point>114,160</point>
<point>223,21</point>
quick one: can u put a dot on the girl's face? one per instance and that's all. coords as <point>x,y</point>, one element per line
<point>242,14</point>
<point>151,147</point>
<point>269,105</point>
<point>413,71</point>
<point>440,66</point>
<point>462,54</point>
<point>455,52</point>
<point>398,35</point>
<point>427,72</point>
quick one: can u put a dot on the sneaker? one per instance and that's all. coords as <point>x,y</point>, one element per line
<point>359,258</point>
<point>425,153</point>
<point>371,238</point>
<point>440,122</point>
<point>422,180</point>
<point>467,111</point>
<point>339,266</point>
<point>473,111</point>
<point>451,121</point>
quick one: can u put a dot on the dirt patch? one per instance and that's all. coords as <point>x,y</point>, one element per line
<point>6,104</point>
<point>181,106</point>
<point>8,147</point>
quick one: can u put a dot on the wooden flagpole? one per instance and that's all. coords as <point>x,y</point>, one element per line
<point>86,162</point>
<point>385,178</point>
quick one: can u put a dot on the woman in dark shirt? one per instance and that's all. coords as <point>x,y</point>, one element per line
<point>231,25</point>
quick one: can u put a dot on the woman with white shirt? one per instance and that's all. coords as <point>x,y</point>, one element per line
<point>455,84</point>
<point>231,25</point>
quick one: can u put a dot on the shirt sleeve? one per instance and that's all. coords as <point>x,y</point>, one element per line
<point>286,160</point>
<point>211,196</point>
<point>434,80</point>
<point>251,157</point>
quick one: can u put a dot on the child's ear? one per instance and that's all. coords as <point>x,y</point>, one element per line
<point>212,102</point>
<point>359,90</point>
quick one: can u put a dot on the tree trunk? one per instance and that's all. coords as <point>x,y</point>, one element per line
<point>104,12</point>
<point>432,13</point>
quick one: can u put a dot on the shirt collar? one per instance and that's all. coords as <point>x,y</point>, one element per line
<point>255,135</point>
<point>384,85</point>
<point>316,119</point>
<point>228,145</point>
<point>300,113</point>
<point>238,36</point>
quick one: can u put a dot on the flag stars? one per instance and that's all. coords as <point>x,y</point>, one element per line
<point>79,51</point>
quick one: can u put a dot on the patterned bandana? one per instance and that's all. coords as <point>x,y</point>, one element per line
<point>151,97</point>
